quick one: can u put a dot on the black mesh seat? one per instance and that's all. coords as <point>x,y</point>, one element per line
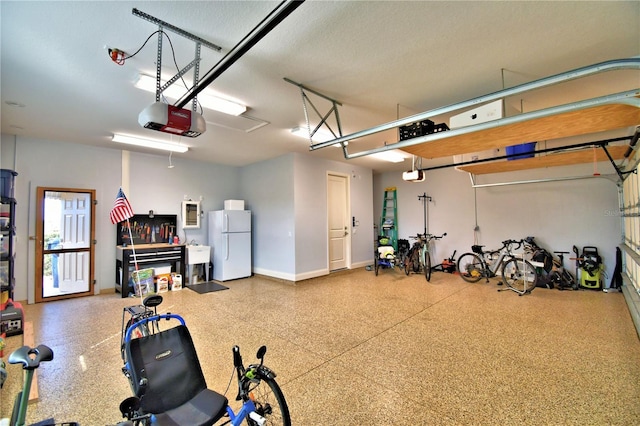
<point>167,377</point>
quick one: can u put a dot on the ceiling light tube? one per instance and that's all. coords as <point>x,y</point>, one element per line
<point>392,156</point>
<point>149,143</point>
<point>320,135</point>
<point>176,90</point>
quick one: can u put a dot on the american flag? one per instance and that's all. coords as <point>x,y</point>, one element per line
<point>121,209</point>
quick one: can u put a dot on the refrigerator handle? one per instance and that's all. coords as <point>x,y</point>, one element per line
<point>226,222</point>
<point>226,240</point>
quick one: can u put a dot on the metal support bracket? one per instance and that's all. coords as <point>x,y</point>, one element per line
<point>323,118</point>
<point>163,26</point>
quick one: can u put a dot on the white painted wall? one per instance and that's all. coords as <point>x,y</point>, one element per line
<point>287,196</point>
<point>311,213</point>
<point>152,186</point>
<point>268,189</point>
<point>558,214</point>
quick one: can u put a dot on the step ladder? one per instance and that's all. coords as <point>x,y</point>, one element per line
<point>388,221</point>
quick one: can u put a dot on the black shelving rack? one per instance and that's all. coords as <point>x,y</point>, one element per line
<point>11,314</point>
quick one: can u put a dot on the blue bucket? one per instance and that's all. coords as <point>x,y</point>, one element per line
<point>524,150</point>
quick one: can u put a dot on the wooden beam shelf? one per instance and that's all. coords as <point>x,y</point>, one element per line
<point>579,122</point>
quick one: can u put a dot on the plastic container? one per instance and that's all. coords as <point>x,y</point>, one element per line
<point>6,182</point>
<point>526,150</point>
<point>176,282</point>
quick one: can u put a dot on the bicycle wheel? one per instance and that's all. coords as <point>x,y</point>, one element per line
<point>415,261</point>
<point>408,264</point>
<point>519,275</point>
<point>376,265</point>
<point>427,265</point>
<point>270,402</point>
<point>470,267</point>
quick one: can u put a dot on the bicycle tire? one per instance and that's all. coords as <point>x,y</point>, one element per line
<point>427,266</point>
<point>471,267</point>
<point>407,264</point>
<point>376,265</point>
<point>270,402</point>
<point>517,278</point>
<point>415,261</point>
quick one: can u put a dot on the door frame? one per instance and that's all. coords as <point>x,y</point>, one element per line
<point>40,251</point>
<point>347,211</point>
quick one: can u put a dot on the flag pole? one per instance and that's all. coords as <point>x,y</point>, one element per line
<point>120,212</point>
<point>135,262</point>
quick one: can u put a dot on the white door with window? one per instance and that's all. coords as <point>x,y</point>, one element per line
<point>65,249</point>
<point>338,218</point>
<point>75,230</point>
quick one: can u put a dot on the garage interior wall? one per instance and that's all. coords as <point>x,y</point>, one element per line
<point>558,214</point>
<point>267,187</point>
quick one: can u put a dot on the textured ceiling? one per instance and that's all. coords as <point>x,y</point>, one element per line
<point>381,60</point>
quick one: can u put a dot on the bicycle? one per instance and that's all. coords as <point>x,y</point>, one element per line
<point>518,274</point>
<point>137,313</point>
<point>551,272</point>
<point>419,257</point>
<point>30,358</point>
<point>157,389</point>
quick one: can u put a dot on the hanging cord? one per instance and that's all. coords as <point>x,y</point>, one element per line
<point>476,228</point>
<point>119,58</point>
<point>595,161</point>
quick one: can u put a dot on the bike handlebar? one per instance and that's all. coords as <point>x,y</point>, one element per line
<point>427,237</point>
<point>507,243</point>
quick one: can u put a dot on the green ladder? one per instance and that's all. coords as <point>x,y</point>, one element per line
<point>388,222</point>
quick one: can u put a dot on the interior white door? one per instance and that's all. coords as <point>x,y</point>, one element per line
<point>75,233</point>
<point>338,217</point>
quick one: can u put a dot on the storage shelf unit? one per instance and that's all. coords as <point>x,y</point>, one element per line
<point>7,230</point>
<point>11,315</point>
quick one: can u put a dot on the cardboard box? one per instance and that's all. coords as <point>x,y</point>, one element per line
<point>234,204</point>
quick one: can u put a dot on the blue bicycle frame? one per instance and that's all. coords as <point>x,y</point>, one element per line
<point>248,407</point>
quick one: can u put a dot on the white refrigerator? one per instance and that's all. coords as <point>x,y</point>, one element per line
<point>230,241</point>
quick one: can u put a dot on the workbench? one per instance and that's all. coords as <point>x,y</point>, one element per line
<point>147,256</point>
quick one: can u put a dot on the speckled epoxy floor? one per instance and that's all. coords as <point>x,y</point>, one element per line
<point>352,349</point>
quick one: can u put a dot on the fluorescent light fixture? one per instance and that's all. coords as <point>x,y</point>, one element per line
<point>392,156</point>
<point>149,143</point>
<point>319,136</point>
<point>176,90</point>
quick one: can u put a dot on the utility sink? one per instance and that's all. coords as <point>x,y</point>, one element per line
<point>198,254</point>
